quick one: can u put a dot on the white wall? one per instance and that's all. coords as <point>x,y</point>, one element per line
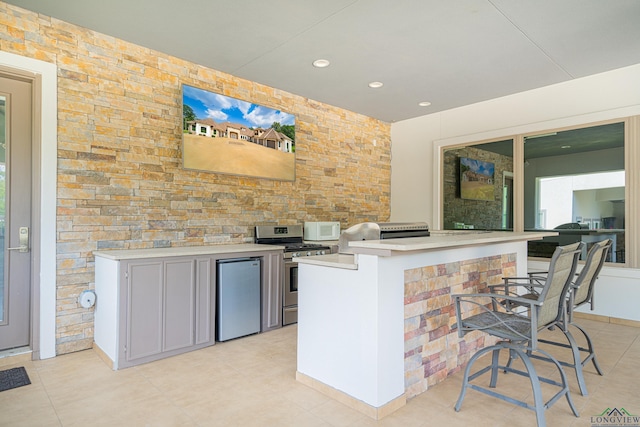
<point>603,96</point>
<point>415,168</point>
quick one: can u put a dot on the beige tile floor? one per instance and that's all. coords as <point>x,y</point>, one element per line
<point>251,382</point>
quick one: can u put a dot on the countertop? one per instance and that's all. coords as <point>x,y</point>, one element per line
<point>121,254</point>
<point>346,261</point>
<point>586,230</point>
<point>438,240</point>
<point>443,239</point>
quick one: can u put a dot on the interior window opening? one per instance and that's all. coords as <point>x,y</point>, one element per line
<point>574,184</point>
<point>478,186</point>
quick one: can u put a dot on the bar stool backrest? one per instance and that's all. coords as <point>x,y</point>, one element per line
<point>589,274</point>
<point>562,269</point>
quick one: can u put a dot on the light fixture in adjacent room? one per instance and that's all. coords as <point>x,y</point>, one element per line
<point>424,103</point>
<point>542,135</point>
<point>375,85</point>
<point>321,63</point>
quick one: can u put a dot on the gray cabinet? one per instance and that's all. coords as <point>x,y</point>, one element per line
<point>143,300</point>
<point>272,267</point>
<point>169,307</point>
<point>205,301</point>
<point>150,307</point>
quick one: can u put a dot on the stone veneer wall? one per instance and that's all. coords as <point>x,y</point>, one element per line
<point>120,178</point>
<point>432,350</point>
<point>482,214</point>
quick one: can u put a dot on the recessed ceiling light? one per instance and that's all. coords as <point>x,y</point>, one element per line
<point>424,103</point>
<point>321,63</point>
<point>375,85</point>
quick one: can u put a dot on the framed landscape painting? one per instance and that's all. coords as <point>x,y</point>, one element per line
<point>226,135</point>
<point>476,179</point>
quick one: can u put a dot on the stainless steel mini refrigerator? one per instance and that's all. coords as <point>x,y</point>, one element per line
<point>238,302</point>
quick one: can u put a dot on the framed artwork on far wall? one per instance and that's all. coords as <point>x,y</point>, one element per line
<point>226,135</point>
<point>476,179</point>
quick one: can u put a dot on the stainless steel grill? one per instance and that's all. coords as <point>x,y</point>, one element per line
<point>381,231</point>
<point>394,230</point>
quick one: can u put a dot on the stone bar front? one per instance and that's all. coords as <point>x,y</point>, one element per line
<point>375,328</point>
<point>432,349</point>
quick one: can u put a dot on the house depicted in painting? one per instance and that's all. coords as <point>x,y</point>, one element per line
<point>211,128</point>
<point>476,179</point>
<point>266,137</point>
<point>273,139</point>
<point>470,176</point>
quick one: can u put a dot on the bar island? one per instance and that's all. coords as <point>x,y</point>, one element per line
<point>375,327</point>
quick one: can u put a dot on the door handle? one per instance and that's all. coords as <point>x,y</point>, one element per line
<point>23,232</point>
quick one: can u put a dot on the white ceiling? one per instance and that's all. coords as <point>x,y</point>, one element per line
<point>448,52</point>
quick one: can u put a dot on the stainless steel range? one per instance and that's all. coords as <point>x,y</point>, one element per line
<point>291,237</point>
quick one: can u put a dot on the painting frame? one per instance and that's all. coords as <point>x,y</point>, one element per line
<point>226,135</point>
<point>477,179</point>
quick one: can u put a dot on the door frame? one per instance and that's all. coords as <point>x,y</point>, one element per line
<point>44,165</point>
<point>507,208</point>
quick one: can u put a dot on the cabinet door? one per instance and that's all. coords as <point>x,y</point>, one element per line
<point>179,304</point>
<point>205,301</point>
<point>144,309</point>
<point>273,264</point>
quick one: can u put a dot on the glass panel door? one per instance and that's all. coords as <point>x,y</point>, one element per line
<point>15,210</point>
<point>3,192</point>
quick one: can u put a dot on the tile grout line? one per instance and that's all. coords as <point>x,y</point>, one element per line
<point>36,369</point>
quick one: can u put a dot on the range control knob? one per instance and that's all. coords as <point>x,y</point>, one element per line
<point>309,253</point>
